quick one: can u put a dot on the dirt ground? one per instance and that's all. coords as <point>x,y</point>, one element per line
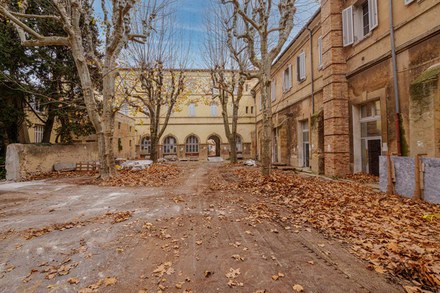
<point>61,236</point>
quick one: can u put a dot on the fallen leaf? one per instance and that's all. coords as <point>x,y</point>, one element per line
<point>298,288</point>
<point>110,281</point>
<point>73,281</point>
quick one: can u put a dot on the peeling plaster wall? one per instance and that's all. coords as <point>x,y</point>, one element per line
<point>405,180</point>
<point>24,160</point>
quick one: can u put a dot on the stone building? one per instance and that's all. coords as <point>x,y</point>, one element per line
<point>359,80</point>
<point>195,130</point>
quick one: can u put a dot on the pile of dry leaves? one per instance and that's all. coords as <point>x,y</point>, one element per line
<point>363,178</point>
<point>156,175</point>
<point>64,174</point>
<point>388,231</point>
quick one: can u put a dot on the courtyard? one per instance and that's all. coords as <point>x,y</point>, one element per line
<point>204,230</point>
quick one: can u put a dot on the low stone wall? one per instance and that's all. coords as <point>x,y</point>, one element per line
<point>24,160</point>
<point>404,174</point>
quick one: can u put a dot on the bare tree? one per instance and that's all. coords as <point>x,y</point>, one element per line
<point>159,81</point>
<point>96,69</point>
<point>229,72</point>
<point>264,26</point>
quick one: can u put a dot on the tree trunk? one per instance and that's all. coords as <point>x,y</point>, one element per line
<point>153,152</point>
<point>108,91</point>
<point>266,148</point>
<point>233,148</point>
<point>104,133</point>
<point>48,126</point>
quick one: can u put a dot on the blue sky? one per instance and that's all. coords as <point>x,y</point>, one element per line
<point>190,17</point>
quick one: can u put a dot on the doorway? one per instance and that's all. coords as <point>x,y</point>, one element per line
<point>371,140</point>
<point>305,136</point>
<point>214,146</point>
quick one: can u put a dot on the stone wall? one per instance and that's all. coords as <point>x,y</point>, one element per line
<point>24,160</point>
<point>405,180</point>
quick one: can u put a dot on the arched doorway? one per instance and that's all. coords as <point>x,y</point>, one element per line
<point>214,147</point>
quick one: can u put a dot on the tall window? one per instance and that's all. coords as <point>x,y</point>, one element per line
<point>192,145</point>
<point>273,89</point>
<point>192,110</point>
<point>301,66</point>
<point>239,144</point>
<point>146,145</point>
<point>169,145</point>
<point>287,78</point>
<point>320,52</point>
<point>35,104</point>
<point>305,143</point>
<point>213,110</point>
<point>371,139</point>
<point>38,131</point>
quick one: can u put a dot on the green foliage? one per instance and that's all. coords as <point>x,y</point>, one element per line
<point>47,74</point>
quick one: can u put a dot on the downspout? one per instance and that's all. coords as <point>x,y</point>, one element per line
<point>395,80</point>
<point>311,70</point>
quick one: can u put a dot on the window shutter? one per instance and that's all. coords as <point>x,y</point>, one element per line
<point>302,66</point>
<point>347,26</point>
<point>290,76</point>
<point>372,13</point>
<point>320,51</point>
<point>273,88</point>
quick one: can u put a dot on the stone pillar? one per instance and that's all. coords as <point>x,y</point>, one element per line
<point>335,91</point>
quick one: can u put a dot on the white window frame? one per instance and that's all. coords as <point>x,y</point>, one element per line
<point>287,78</point>
<point>320,63</point>
<point>192,110</point>
<point>38,133</point>
<point>301,66</point>
<point>347,26</point>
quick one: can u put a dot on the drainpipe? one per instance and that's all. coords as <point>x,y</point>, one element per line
<point>311,71</point>
<point>396,84</point>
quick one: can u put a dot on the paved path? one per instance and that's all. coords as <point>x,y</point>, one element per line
<point>184,237</point>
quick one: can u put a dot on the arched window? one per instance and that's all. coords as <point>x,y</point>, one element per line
<point>239,144</point>
<point>169,145</point>
<point>192,145</point>
<point>146,145</point>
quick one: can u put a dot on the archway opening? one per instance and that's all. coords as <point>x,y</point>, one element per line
<point>214,146</point>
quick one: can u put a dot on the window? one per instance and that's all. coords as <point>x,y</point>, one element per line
<point>38,132</point>
<point>192,145</point>
<point>301,66</point>
<point>320,52</point>
<point>119,125</point>
<point>305,143</point>
<point>273,90</point>
<point>252,109</point>
<point>287,78</point>
<point>238,144</point>
<point>213,109</point>
<point>169,145</point>
<point>35,104</point>
<point>358,21</point>
<point>247,109</point>
<point>192,110</point>
<point>130,129</point>
<point>146,145</point>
